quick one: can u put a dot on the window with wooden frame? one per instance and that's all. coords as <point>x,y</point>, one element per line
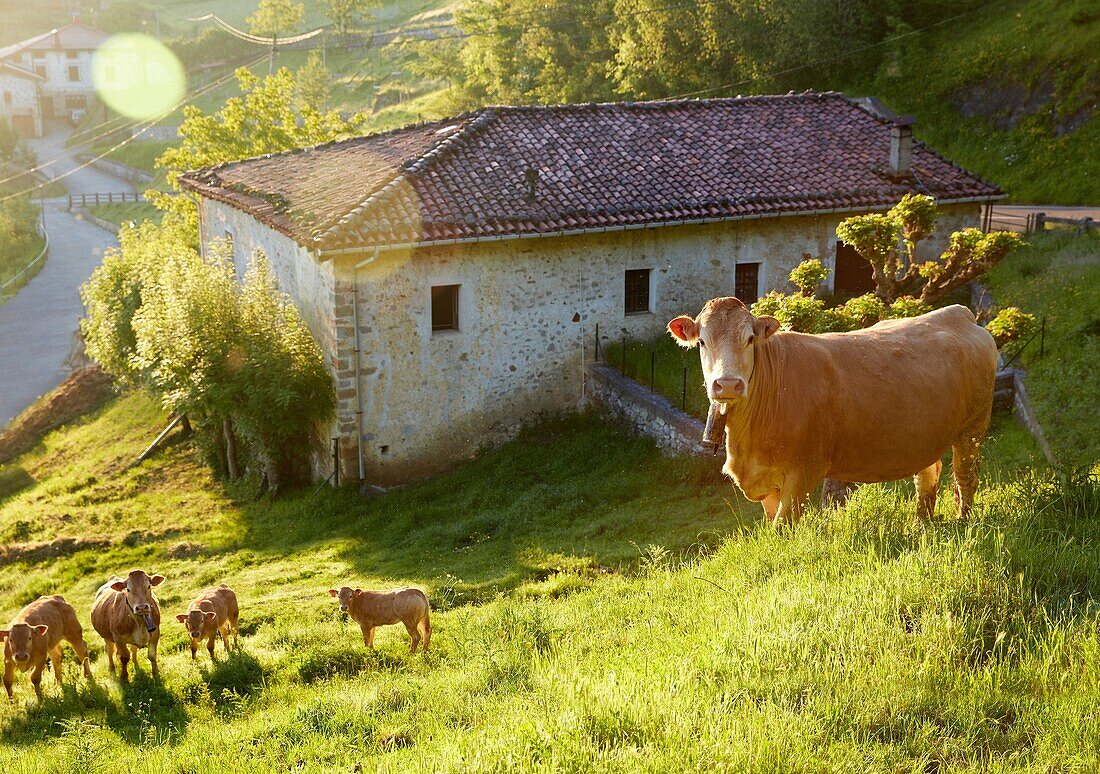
<point>445,307</point>
<point>636,291</point>
<point>74,73</point>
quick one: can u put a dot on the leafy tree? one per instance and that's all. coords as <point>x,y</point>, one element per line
<point>313,84</point>
<point>345,13</point>
<point>9,141</point>
<point>1012,324</point>
<point>889,243</point>
<point>808,275</point>
<point>275,17</point>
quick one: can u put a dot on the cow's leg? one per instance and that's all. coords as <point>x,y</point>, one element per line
<point>225,635</point>
<point>966,456</point>
<point>124,664</point>
<point>368,635</point>
<point>9,677</point>
<point>133,654</point>
<point>413,628</point>
<point>110,648</point>
<point>792,498</point>
<point>194,647</point>
<point>36,678</point>
<point>80,648</point>
<point>153,640</point>
<point>55,661</point>
<point>426,626</point>
<point>927,483</point>
<point>210,644</point>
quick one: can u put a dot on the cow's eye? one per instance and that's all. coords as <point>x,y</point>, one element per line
<point>748,343</point>
<point>702,344</point>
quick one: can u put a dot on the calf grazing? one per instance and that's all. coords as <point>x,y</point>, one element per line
<point>126,614</point>
<point>213,612</point>
<point>36,633</point>
<point>380,608</point>
<point>873,405</point>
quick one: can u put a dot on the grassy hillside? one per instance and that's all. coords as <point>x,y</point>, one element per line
<point>1058,277</point>
<point>597,607</point>
<point>1011,92</point>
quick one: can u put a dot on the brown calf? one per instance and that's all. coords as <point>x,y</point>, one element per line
<point>213,612</point>
<point>380,608</point>
<point>36,633</point>
<point>126,614</point>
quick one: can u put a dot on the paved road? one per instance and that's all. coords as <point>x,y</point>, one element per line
<point>37,325</point>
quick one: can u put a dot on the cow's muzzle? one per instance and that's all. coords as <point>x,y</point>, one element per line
<point>343,608</point>
<point>22,656</point>
<point>728,388</point>
<point>196,635</point>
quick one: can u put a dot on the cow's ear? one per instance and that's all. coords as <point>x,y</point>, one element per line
<point>358,592</point>
<point>119,585</point>
<point>3,635</point>
<point>156,580</point>
<point>333,592</point>
<point>764,326</point>
<point>210,616</point>
<point>685,330</point>
<point>41,630</point>
<point>181,618</point>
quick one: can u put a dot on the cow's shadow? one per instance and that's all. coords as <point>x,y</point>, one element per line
<point>147,712</point>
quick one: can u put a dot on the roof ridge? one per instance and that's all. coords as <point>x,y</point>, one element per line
<point>477,120</point>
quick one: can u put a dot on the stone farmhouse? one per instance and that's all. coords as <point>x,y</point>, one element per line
<point>48,76</point>
<point>455,272</point>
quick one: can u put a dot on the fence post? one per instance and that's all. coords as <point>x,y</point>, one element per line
<point>1042,337</point>
<point>1040,221</point>
<point>652,361</point>
<point>336,462</point>
<point>1086,224</point>
<point>684,392</point>
<point>624,355</point>
<point>597,342</point>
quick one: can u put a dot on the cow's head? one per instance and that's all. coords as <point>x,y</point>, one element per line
<point>194,620</point>
<point>20,638</point>
<point>138,588</point>
<point>728,336</point>
<point>345,595</point>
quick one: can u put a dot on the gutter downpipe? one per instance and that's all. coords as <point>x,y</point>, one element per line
<point>358,378</point>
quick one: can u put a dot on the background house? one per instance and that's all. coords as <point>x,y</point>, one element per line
<point>454,272</point>
<point>48,76</point>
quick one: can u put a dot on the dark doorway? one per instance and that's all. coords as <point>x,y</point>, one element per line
<point>854,276</point>
<point>746,282</point>
<point>47,108</point>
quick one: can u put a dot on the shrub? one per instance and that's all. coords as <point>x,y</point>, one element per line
<point>808,275</point>
<point>1012,324</point>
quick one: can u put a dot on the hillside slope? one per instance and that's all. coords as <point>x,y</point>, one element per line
<point>597,607</point>
<point>1011,92</point>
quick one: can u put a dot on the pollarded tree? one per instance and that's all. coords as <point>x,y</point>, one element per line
<point>344,13</point>
<point>889,243</point>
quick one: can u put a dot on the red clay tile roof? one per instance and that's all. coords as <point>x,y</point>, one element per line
<point>598,166</point>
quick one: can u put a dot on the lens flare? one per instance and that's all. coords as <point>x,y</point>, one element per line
<point>138,76</point>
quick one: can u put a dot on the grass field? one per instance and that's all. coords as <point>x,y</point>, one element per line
<point>597,607</point>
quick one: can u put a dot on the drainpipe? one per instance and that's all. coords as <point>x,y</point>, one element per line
<point>358,378</point>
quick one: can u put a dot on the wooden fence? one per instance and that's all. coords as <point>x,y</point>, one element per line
<point>994,219</point>
<point>94,199</point>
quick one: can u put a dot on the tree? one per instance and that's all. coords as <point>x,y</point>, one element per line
<point>344,13</point>
<point>889,243</point>
<point>275,17</point>
<point>9,141</point>
<point>313,84</point>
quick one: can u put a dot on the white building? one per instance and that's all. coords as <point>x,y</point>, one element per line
<point>48,76</point>
<point>454,272</point>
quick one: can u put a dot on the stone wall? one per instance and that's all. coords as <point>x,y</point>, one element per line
<point>645,412</point>
<point>24,100</point>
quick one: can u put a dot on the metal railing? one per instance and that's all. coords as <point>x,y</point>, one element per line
<point>95,199</point>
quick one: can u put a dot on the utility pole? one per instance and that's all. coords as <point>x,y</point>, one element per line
<point>271,59</point>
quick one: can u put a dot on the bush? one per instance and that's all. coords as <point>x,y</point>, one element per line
<point>1012,324</point>
<point>327,659</point>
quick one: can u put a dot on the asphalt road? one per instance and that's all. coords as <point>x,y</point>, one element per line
<point>37,326</point>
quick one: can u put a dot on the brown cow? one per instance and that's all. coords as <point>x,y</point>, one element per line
<point>380,608</point>
<point>213,612</point>
<point>126,613</point>
<point>873,405</point>
<point>36,633</point>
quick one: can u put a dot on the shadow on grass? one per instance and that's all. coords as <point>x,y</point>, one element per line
<point>13,480</point>
<point>234,678</point>
<point>149,712</point>
<point>572,489</point>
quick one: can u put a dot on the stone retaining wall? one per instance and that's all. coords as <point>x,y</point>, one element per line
<point>646,412</point>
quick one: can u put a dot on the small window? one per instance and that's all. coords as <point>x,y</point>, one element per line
<point>70,55</point>
<point>74,73</point>
<point>746,282</point>
<point>637,291</point>
<point>7,97</point>
<point>445,307</point>
<point>40,70</point>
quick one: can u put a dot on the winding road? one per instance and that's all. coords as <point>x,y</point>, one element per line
<point>37,326</point>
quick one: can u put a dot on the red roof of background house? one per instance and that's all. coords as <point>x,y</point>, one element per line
<point>598,166</point>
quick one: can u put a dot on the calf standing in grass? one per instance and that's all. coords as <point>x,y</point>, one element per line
<point>36,633</point>
<point>380,608</point>
<point>212,612</point>
<point>126,614</point>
